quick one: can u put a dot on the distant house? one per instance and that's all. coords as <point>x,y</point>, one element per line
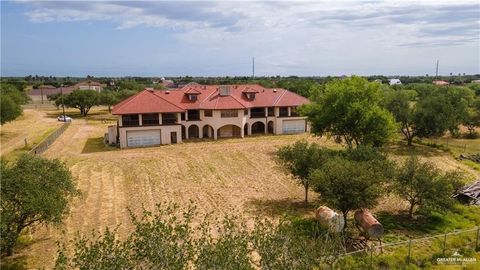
<point>394,81</point>
<point>89,85</point>
<point>154,117</point>
<point>476,81</point>
<point>440,83</point>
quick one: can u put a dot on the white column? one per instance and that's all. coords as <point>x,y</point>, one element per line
<point>266,111</point>
<point>159,118</point>
<point>200,132</point>
<point>214,134</point>
<point>179,117</point>
<point>140,120</point>
<point>289,111</point>
<point>277,111</point>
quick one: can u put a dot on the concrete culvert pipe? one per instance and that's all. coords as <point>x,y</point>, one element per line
<point>332,220</point>
<point>368,223</point>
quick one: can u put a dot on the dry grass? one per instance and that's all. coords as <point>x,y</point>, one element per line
<point>218,176</point>
<point>32,125</point>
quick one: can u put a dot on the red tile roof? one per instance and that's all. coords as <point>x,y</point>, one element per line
<point>149,101</point>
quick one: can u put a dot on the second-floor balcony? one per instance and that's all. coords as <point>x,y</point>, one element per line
<point>257,112</point>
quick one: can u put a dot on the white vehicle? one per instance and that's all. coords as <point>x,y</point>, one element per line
<point>67,119</point>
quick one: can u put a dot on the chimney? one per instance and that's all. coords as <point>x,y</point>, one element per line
<point>275,90</point>
<point>167,92</point>
<point>224,90</point>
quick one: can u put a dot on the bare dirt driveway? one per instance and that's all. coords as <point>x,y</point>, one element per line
<point>218,176</point>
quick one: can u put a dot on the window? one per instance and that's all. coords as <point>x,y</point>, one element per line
<point>271,111</point>
<point>169,118</point>
<point>150,119</point>
<point>183,116</point>
<point>193,115</point>
<point>192,97</point>
<point>293,111</point>
<point>245,112</point>
<point>130,120</point>
<point>208,113</point>
<point>250,96</point>
<point>283,111</point>
<point>229,113</point>
<point>257,112</point>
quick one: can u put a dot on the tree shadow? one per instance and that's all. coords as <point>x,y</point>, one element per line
<point>281,207</point>
<point>94,145</point>
<point>400,148</point>
<point>402,222</point>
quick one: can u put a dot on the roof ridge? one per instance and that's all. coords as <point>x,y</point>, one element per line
<point>280,97</point>
<point>201,102</point>
<point>164,99</point>
<point>129,100</point>
<point>238,101</point>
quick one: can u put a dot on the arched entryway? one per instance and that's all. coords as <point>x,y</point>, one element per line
<point>207,131</point>
<point>245,129</point>
<point>258,128</point>
<point>183,132</point>
<point>229,131</point>
<point>193,131</point>
<point>270,127</point>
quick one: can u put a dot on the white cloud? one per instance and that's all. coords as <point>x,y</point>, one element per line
<point>289,36</point>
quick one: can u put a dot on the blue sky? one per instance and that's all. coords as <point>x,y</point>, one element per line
<point>203,38</point>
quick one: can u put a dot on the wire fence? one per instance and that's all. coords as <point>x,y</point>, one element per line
<point>455,248</point>
<point>49,140</point>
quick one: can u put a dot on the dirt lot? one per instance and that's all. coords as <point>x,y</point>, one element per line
<point>31,125</point>
<point>220,176</point>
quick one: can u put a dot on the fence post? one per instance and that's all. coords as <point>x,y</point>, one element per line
<point>444,245</point>
<point>409,251</point>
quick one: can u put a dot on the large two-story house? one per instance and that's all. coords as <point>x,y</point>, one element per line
<point>154,117</point>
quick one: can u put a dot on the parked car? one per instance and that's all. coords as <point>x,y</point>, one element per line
<point>67,119</point>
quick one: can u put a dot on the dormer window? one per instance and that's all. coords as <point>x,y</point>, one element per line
<point>250,93</point>
<point>192,97</point>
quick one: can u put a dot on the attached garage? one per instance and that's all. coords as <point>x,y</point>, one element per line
<point>139,138</point>
<point>293,126</point>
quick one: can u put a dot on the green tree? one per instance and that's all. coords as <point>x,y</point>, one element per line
<point>9,110</point>
<point>300,159</point>
<point>399,103</point>
<point>109,98</point>
<point>83,100</point>
<point>34,191</point>
<point>353,180</point>
<point>349,110</point>
<point>443,110</point>
<point>472,119</point>
<point>422,184</point>
<point>12,96</point>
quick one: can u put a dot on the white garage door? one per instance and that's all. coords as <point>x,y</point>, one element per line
<point>139,138</point>
<point>293,126</point>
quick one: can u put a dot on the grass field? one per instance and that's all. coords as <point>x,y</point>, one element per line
<point>224,176</point>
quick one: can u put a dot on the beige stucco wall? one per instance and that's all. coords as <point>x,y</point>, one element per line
<point>164,133</point>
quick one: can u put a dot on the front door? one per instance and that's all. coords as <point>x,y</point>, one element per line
<point>173,137</point>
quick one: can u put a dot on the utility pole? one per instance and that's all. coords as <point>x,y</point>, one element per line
<point>253,67</point>
<point>436,72</point>
<point>63,105</point>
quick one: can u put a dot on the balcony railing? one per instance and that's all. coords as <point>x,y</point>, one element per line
<point>130,123</point>
<point>257,114</point>
<point>150,122</point>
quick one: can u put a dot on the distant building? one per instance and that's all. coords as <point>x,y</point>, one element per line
<point>476,81</point>
<point>394,81</point>
<point>89,85</point>
<point>440,83</point>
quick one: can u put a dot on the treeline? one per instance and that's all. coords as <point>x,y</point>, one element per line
<point>357,112</point>
<point>84,100</point>
<point>12,96</point>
